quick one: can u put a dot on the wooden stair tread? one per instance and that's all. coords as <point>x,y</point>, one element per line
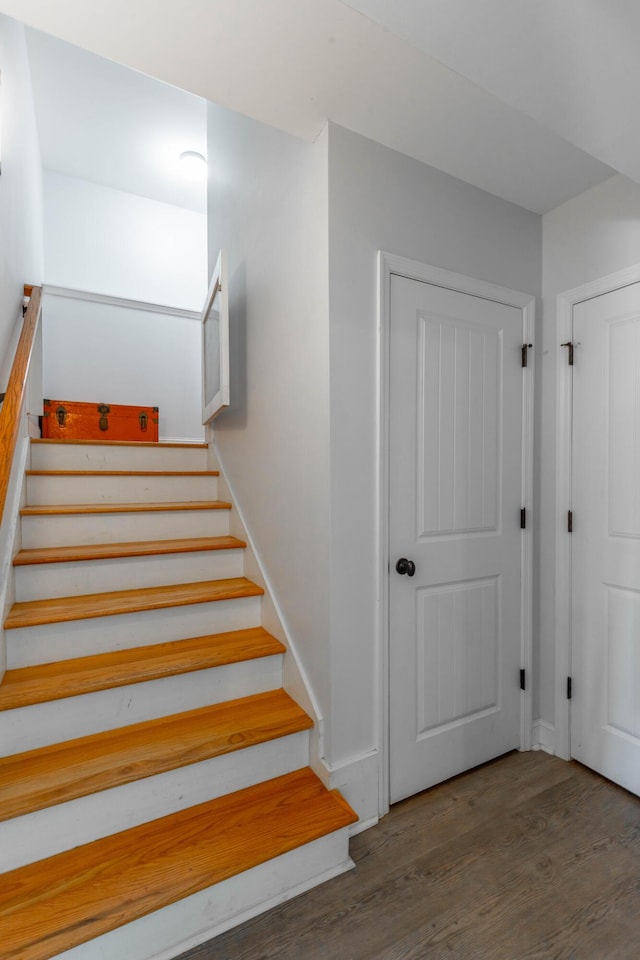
<point>57,903</point>
<point>32,613</point>
<point>70,678</point>
<point>112,551</point>
<point>68,509</point>
<point>123,443</point>
<point>62,772</point>
<point>122,473</point>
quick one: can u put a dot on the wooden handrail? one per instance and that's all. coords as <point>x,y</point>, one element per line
<point>14,396</point>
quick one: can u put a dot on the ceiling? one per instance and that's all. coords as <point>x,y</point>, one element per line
<point>105,123</point>
<point>570,65</point>
<point>529,100</point>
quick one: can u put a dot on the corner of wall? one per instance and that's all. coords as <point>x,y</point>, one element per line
<point>358,780</point>
<point>544,737</point>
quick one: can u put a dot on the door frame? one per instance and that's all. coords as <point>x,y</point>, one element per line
<point>565,303</point>
<point>389,265</point>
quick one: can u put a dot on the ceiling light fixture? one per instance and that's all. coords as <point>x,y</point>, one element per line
<point>193,165</point>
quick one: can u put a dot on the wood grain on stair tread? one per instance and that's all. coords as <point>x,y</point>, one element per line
<point>55,904</point>
<point>70,678</point>
<point>62,772</point>
<point>123,443</point>
<point>33,613</point>
<point>68,509</point>
<point>139,548</point>
<point>122,473</point>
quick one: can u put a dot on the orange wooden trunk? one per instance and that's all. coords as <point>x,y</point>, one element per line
<point>72,420</point>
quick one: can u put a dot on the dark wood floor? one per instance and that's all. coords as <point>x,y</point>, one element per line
<point>526,858</point>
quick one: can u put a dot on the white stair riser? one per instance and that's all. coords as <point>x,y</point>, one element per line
<point>166,933</point>
<point>44,580</point>
<point>42,724</point>
<point>47,832</point>
<point>50,642</point>
<point>68,530</point>
<point>82,456</point>
<point>111,489</point>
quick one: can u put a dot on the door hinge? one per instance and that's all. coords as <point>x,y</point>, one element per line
<point>523,518</point>
<point>569,521</point>
<point>525,352</point>
<point>569,344</point>
<point>569,688</point>
<point>522,679</point>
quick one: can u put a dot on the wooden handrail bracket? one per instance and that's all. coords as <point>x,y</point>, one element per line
<point>14,395</point>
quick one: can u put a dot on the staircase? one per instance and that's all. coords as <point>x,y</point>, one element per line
<point>154,778</point>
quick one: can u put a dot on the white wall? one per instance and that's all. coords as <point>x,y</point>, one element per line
<point>268,208</point>
<point>299,441</point>
<point>380,199</point>
<point>20,257</point>
<point>123,355</point>
<point>591,236</point>
<point>20,181</point>
<point>107,241</point>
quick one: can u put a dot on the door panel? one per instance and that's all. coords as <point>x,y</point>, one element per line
<point>605,543</point>
<point>458,404</point>
<point>455,487</point>
<point>457,630</point>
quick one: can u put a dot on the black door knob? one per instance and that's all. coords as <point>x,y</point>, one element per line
<point>404,566</point>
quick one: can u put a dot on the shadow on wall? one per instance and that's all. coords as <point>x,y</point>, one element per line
<point>236,414</point>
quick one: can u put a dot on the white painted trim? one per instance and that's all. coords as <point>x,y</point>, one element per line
<point>526,540</point>
<point>356,777</point>
<point>385,265</point>
<point>544,737</point>
<point>595,288</point>
<point>564,401</point>
<point>219,285</point>
<point>414,270</point>
<point>193,440</point>
<point>71,293</point>
<point>334,769</point>
<point>390,264</point>
<point>204,935</point>
<point>363,825</point>
<point>564,406</point>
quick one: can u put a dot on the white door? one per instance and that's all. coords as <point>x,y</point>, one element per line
<point>605,543</point>
<point>456,449</point>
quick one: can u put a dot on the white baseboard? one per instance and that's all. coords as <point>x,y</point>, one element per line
<point>357,779</point>
<point>363,825</point>
<point>256,910</point>
<point>544,737</point>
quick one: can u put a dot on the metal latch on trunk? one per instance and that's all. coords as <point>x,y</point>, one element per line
<point>103,410</point>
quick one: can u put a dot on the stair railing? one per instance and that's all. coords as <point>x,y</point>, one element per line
<point>14,397</point>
